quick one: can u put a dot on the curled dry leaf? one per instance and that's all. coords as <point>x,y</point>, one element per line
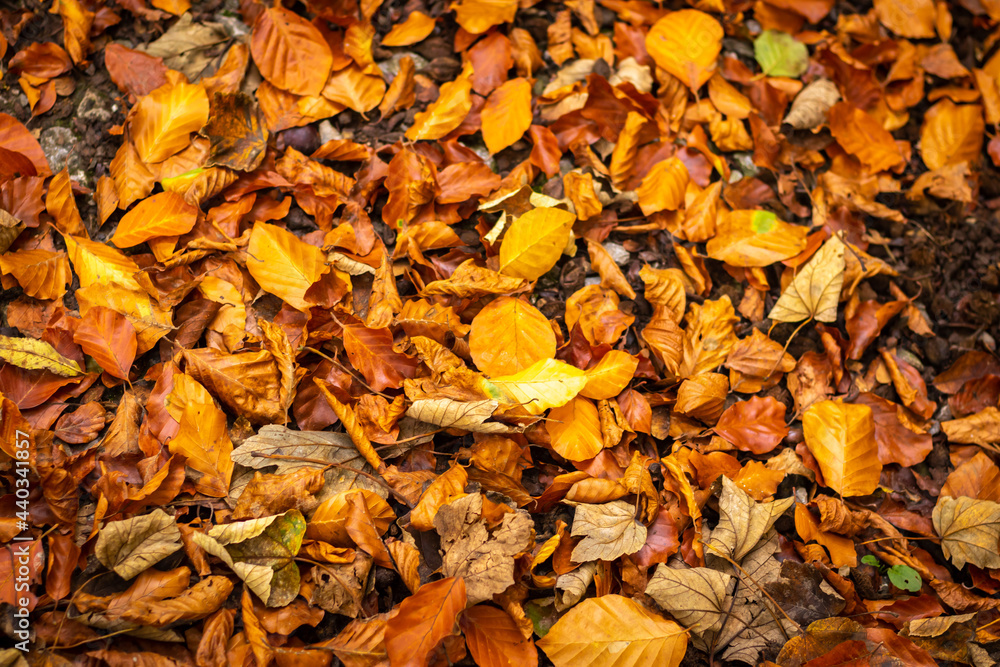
<point>482,557</point>
<point>810,106</point>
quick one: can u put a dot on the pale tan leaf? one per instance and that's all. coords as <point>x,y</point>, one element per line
<point>815,290</point>
<point>743,521</point>
<point>969,529</point>
<point>694,596</point>
<point>131,546</point>
<point>609,531</point>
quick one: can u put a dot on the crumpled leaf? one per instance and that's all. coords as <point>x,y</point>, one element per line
<point>484,558</point>
<point>609,530</point>
<point>815,290</point>
<point>131,546</point>
<point>810,106</point>
<point>969,529</point>
<point>981,428</point>
<point>261,552</point>
<point>743,521</point>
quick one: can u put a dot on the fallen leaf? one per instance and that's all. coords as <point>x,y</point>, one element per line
<point>742,521</point>
<point>507,114</point>
<point>290,51</point>
<point>508,336</point>
<point>612,629</point>
<point>842,438</point>
<point>482,557</point>
<point>494,639</point>
<point>164,120</point>
<point>424,619</point>
<point>131,546</point>
<point>534,242</point>
<point>32,354</point>
<point>814,293</point>
<point>686,43</point>
<point>780,54</point>
<point>969,530</point>
<point>695,596</point>
<point>163,214</point>
<point>609,530</point>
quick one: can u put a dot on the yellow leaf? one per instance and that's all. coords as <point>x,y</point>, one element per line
<point>686,43</point>
<point>446,488</point>
<point>951,134</point>
<point>416,28</point>
<point>534,242</point>
<point>610,376</point>
<point>203,438</point>
<point>614,630</point>
<point>478,16</point>
<point>575,430</point>
<point>755,238</point>
<point>709,336</point>
<point>163,214</point>
<point>509,335</point>
<point>40,273</point>
<point>545,384</point>
<point>32,355</point>
<point>283,264</point>
<point>815,290</point>
<point>447,112</point>
<point>663,187</point>
<point>507,114</point>
<point>164,120</point>
<point>99,264</point>
<point>908,18</point>
<point>842,438</point>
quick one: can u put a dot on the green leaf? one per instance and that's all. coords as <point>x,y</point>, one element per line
<point>871,560</point>
<point>780,54</point>
<point>905,577</point>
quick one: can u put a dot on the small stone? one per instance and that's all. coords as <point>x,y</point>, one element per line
<point>59,145</point>
<point>95,107</point>
<point>618,253</point>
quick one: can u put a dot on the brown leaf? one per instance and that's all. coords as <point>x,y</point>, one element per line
<point>484,558</point>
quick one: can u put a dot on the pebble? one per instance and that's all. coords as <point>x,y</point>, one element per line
<point>95,107</point>
<point>59,144</point>
<point>618,253</point>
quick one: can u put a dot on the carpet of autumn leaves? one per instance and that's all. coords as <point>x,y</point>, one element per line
<point>501,332</point>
